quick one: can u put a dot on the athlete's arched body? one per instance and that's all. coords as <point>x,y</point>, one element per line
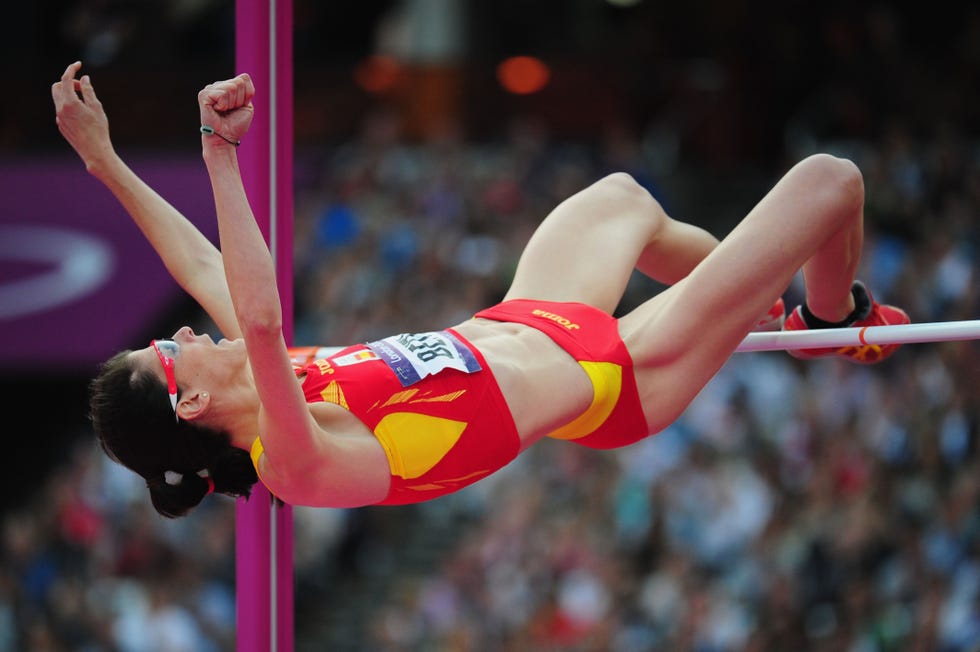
<point>418,415</point>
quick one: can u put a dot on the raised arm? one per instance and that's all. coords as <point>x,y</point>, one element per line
<point>193,261</point>
<point>291,436</point>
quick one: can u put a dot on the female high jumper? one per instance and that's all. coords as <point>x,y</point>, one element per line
<point>415,416</point>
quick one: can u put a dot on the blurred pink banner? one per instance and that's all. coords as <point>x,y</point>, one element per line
<point>77,280</point>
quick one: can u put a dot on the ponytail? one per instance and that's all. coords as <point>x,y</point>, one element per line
<point>175,496</point>
<point>175,493</point>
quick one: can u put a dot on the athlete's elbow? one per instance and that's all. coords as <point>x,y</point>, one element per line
<point>260,323</point>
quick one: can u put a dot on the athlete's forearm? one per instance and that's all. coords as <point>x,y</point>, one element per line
<point>193,261</point>
<point>248,265</point>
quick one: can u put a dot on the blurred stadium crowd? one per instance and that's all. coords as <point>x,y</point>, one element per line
<point>794,506</point>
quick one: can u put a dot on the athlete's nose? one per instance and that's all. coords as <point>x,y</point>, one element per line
<point>184,333</point>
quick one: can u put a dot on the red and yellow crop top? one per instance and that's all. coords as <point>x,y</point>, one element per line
<point>431,401</point>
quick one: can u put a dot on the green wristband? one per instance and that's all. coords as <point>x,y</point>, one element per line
<point>208,130</point>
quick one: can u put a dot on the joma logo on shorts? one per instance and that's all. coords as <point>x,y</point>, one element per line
<point>570,325</point>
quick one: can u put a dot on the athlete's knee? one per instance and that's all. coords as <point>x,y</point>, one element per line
<point>621,186</point>
<point>838,179</point>
<point>623,196</point>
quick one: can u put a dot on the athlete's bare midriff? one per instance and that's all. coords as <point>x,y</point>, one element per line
<point>544,387</point>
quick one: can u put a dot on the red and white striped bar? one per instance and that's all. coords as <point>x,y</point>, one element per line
<point>947,331</point>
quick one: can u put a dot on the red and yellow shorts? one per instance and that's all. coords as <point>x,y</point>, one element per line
<point>615,417</point>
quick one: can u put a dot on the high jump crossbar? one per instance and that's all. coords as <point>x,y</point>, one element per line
<point>944,331</point>
<point>869,335</point>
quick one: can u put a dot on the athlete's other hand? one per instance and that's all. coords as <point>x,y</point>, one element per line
<point>80,117</point>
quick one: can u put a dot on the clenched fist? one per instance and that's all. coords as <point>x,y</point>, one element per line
<point>226,107</point>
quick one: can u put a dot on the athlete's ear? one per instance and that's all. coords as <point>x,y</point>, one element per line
<point>193,405</point>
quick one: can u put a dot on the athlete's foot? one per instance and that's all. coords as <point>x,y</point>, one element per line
<point>867,312</point>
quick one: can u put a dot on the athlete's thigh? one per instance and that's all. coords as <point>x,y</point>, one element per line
<point>677,344</point>
<point>587,247</point>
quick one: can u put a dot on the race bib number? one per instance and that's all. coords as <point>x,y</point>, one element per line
<point>413,356</point>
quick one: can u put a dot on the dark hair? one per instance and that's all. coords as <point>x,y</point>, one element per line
<point>135,424</point>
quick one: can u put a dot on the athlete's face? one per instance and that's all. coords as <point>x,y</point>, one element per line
<point>194,361</point>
